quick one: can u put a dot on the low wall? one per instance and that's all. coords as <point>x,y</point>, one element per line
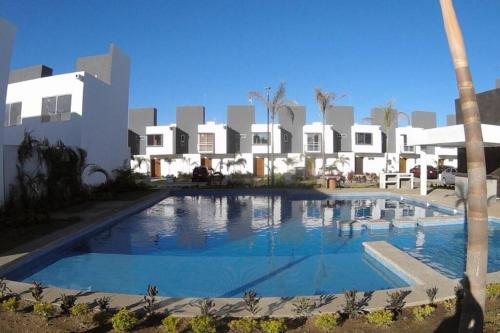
<point>461,187</point>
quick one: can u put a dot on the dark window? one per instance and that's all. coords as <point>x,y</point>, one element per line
<point>363,138</point>
<point>261,138</point>
<point>155,140</point>
<point>183,138</point>
<point>13,114</point>
<point>285,138</point>
<point>56,108</point>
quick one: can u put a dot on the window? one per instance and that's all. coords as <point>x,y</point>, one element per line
<point>261,138</point>
<point>206,142</point>
<point>363,138</point>
<point>155,140</point>
<point>183,138</point>
<point>243,136</point>
<point>313,142</point>
<point>13,114</point>
<point>56,108</point>
<point>285,138</point>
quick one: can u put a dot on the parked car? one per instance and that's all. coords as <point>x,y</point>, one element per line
<point>441,168</point>
<point>200,174</point>
<point>448,176</point>
<point>431,172</point>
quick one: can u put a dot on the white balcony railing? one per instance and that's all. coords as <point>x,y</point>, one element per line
<point>407,149</point>
<point>313,147</point>
<point>206,148</point>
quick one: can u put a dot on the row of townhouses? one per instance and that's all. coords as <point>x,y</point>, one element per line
<point>297,146</point>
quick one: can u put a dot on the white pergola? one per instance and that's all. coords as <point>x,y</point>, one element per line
<point>448,136</point>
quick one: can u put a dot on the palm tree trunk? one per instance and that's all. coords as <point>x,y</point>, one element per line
<point>477,215</point>
<point>323,148</point>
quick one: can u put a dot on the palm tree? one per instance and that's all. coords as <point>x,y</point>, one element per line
<point>277,104</point>
<point>477,214</point>
<point>289,162</point>
<point>325,101</point>
<point>238,162</point>
<point>342,160</point>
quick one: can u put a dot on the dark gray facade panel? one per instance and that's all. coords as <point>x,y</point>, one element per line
<point>138,119</point>
<point>377,117</point>
<point>286,142</point>
<point>239,122</point>
<point>29,73</point>
<point>498,84</point>
<point>451,120</point>
<point>423,119</point>
<point>188,119</point>
<point>489,111</point>
<point>341,118</point>
<point>294,126</point>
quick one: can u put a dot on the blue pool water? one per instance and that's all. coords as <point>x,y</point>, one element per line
<point>221,246</point>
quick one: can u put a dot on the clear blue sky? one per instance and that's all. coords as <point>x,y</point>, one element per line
<point>214,52</point>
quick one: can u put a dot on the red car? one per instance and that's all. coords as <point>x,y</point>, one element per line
<point>432,172</point>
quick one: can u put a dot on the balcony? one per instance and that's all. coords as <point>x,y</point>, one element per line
<point>207,148</point>
<point>408,149</point>
<point>313,148</point>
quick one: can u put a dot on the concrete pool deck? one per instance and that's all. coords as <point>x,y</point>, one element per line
<point>423,276</point>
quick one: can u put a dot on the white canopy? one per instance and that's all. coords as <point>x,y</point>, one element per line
<point>454,136</point>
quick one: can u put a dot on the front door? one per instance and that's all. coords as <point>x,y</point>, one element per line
<point>402,165</point>
<point>155,167</point>
<point>258,167</point>
<point>358,165</point>
<point>207,162</point>
<point>310,167</point>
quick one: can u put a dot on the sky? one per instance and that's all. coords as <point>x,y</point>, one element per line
<point>214,52</point>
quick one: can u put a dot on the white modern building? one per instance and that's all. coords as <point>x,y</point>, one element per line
<point>7,33</point>
<point>87,108</point>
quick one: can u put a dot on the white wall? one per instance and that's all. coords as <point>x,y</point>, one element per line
<point>168,144</point>
<point>220,136</point>
<point>374,164</point>
<point>375,147</point>
<point>318,128</point>
<point>411,133</point>
<point>7,32</point>
<point>275,140</point>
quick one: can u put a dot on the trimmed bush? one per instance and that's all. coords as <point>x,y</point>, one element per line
<point>493,290</point>
<point>10,304</point>
<point>43,309</point>
<point>243,325</point>
<point>422,312</point>
<point>492,319</point>
<point>124,320</point>
<point>273,326</point>
<point>79,309</point>
<point>203,324</point>
<point>169,324</point>
<point>382,318</point>
<point>327,322</point>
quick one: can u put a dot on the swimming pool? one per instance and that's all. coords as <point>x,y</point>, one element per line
<point>221,246</point>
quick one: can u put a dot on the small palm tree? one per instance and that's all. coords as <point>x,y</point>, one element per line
<point>342,161</point>
<point>477,213</point>
<point>240,162</point>
<point>276,104</point>
<point>325,101</point>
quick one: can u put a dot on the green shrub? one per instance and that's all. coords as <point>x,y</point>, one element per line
<point>123,320</point>
<point>203,324</point>
<point>273,326</point>
<point>43,309</point>
<point>243,325</point>
<point>493,290</point>
<point>422,312</point>
<point>492,319</point>
<point>382,318</point>
<point>169,324</point>
<point>79,309</point>
<point>450,305</point>
<point>327,322</point>
<point>10,304</point>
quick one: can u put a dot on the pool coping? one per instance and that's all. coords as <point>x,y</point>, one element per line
<point>186,307</point>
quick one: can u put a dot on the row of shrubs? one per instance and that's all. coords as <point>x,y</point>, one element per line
<point>207,322</point>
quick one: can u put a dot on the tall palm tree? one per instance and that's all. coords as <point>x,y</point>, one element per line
<point>477,214</point>
<point>276,104</point>
<point>325,101</point>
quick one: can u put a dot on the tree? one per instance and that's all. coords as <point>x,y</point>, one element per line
<point>240,162</point>
<point>477,214</point>
<point>276,104</point>
<point>290,162</point>
<point>324,100</point>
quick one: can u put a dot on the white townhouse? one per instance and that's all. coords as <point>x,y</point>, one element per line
<point>368,149</point>
<point>313,146</point>
<point>87,108</point>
